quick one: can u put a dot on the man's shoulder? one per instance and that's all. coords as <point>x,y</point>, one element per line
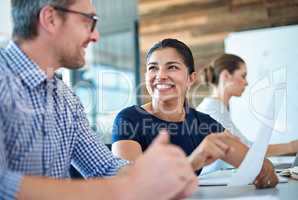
<point>6,75</point>
<point>4,70</point>
<point>7,87</point>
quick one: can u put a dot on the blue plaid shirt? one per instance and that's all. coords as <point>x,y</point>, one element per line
<point>43,127</point>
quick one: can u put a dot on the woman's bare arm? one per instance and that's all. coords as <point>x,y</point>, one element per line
<point>223,146</point>
<point>127,149</point>
<point>282,149</point>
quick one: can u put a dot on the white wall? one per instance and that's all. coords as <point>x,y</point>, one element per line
<point>5,21</point>
<point>272,62</point>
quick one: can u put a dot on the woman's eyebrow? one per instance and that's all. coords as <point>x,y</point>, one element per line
<point>167,63</point>
<point>173,62</point>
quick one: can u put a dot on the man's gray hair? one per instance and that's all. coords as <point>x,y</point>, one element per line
<point>25,15</point>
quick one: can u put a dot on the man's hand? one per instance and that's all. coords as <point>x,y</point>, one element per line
<point>267,177</point>
<point>163,172</point>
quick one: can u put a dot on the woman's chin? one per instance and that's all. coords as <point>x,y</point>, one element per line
<point>161,97</point>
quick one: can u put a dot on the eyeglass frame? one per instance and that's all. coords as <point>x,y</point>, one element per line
<point>92,17</point>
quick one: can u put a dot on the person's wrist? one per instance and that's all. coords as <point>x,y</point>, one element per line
<point>291,146</point>
<point>196,161</point>
<point>192,162</point>
<point>125,187</point>
<point>133,183</point>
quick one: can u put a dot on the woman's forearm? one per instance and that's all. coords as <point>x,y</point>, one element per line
<point>279,149</point>
<point>196,162</point>
<point>127,149</point>
<point>236,153</point>
<point>216,146</point>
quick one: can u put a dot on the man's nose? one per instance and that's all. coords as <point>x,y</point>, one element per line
<point>94,37</point>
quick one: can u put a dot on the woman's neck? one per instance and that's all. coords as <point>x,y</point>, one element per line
<point>172,110</point>
<point>221,95</point>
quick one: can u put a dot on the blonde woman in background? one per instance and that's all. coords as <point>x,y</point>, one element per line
<point>227,75</point>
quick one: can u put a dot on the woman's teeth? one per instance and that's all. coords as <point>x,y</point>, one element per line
<point>163,86</point>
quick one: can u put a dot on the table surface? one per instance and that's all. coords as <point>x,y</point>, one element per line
<point>284,191</point>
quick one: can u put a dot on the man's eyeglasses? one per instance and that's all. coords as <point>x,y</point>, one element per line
<point>92,17</point>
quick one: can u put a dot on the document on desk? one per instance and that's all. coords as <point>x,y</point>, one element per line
<point>221,178</point>
<point>265,197</point>
<point>253,161</point>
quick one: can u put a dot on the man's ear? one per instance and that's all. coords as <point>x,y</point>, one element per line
<point>48,19</point>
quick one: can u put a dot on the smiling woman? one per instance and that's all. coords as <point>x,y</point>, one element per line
<point>169,74</point>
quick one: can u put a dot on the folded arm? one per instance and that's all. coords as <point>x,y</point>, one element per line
<point>283,148</point>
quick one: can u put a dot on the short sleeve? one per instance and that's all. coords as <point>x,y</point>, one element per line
<point>125,129</point>
<point>235,131</point>
<point>218,111</point>
<point>215,126</point>
<point>226,121</point>
<point>208,124</point>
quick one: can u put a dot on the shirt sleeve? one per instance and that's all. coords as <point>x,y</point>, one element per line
<point>9,181</point>
<point>90,156</point>
<point>228,124</point>
<point>235,131</point>
<point>218,112</point>
<point>226,121</point>
<point>124,129</point>
<point>215,126</point>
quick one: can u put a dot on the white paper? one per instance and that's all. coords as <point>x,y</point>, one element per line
<point>222,178</point>
<point>265,197</point>
<point>253,161</point>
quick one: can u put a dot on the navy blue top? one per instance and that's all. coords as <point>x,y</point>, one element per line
<point>135,123</point>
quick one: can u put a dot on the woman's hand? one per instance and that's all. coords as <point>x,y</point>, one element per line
<point>267,177</point>
<point>213,147</point>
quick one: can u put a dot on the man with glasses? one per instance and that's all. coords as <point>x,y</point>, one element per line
<point>43,127</point>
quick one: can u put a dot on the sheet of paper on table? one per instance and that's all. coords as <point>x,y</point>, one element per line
<point>222,178</point>
<point>253,161</point>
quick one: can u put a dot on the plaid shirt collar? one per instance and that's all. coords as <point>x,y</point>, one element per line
<point>24,67</point>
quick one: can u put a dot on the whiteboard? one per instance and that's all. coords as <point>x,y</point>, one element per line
<point>272,62</point>
<point>5,21</point>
